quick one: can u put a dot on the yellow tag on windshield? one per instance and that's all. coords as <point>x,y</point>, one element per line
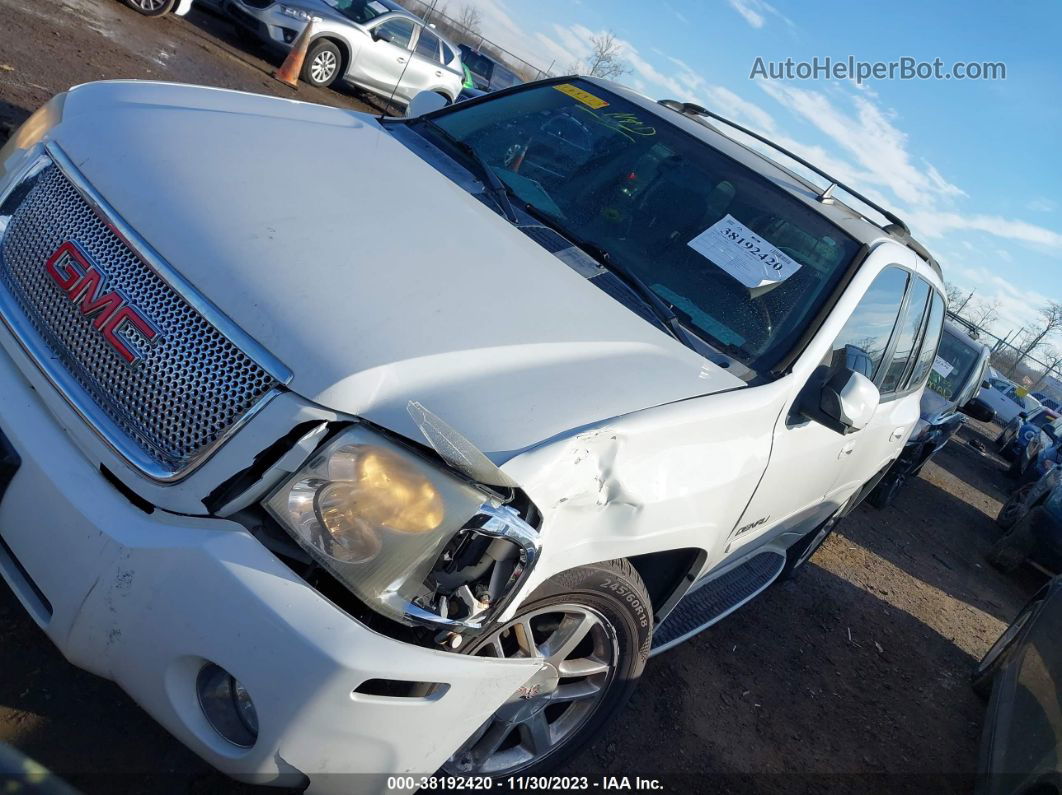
<point>579,95</point>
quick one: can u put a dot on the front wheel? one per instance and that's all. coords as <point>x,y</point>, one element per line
<point>321,67</point>
<point>1014,508</point>
<point>884,494</point>
<point>152,8</point>
<point>590,629</point>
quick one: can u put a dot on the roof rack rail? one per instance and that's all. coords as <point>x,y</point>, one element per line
<point>897,226</point>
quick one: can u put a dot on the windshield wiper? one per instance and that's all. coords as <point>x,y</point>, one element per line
<point>497,189</point>
<point>660,308</point>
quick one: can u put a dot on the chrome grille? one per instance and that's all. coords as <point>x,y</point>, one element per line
<point>191,386</point>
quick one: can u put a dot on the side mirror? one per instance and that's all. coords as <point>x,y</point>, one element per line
<point>979,410</point>
<point>425,102</point>
<point>849,399</point>
<point>378,35</point>
<point>986,385</point>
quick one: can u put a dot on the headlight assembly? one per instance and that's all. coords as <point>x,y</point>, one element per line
<point>407,537</point>
<point>296,13</point>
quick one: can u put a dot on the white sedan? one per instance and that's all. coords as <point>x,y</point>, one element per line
<point>1004,399</point>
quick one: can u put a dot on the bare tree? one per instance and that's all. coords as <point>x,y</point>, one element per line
<point>1050,323</point>
<point>956,297</point>
<point>983,313</point>
<point>605,58</point>
<point>1052,358</point>
<point>470,19</point>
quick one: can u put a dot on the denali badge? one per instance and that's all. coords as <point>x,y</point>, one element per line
<point>85,283</point>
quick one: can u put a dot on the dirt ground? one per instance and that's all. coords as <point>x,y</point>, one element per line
<point>851,678</point>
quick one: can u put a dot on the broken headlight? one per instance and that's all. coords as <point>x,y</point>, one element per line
<point>407,537</point>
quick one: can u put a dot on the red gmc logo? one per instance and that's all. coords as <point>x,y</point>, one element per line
<point>85,284</point>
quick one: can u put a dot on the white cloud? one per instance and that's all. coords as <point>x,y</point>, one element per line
<point>868,135</point>
<point>755,12</point>
<point>935,224</point>
<point>1042,204</point>
<point>1017,306</point>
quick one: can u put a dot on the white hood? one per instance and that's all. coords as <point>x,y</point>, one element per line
<point>370,275</point>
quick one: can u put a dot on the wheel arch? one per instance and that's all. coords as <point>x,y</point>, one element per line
<point>668,574</point>
<point>346,52</point>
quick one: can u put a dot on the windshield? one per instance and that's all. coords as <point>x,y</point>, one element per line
<point>743,264</point>
<point>953,366</point>
<point>360,11</point>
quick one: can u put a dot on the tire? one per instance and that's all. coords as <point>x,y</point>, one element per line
<point>800,553</point>
<point>1009,552</point>
<point>151,8</point>
<point>609,604</point>
<point>984,673</point>
<point>1014,508</point>
<point>323,64</point>
<point>884,494</point>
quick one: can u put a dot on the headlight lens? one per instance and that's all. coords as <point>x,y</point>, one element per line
<point>379,518</point>
<point>295,13</point>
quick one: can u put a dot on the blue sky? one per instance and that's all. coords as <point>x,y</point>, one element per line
<point>973,166</point>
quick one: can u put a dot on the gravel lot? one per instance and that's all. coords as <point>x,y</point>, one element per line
<point>851,678</point>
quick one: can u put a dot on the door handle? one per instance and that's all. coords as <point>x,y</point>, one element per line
<point>846,450</point>
<point>438,74</point>
<point>897,434</point>
<point>400,59</point>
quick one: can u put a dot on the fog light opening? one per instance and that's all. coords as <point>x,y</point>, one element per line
<point>227,705</point>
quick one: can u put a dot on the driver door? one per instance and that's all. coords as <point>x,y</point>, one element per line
<point>385,56</point>
<point>799,489</point>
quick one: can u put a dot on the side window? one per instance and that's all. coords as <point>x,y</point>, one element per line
<point>907,338</point>
<point>447,54</point>
<point>862,342</point>
<point>397,31</point>
<point>428,45</point>
<point>927,356</point>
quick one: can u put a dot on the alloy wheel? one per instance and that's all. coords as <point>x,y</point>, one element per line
<point>578,651</point>
<point>323,66</point>
<point>149,5</point>
<point>1014,508</point>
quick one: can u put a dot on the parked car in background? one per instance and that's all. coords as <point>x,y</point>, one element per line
<point>1021,745</point>
<point>958,369</point>
<point>487,73</point>
<point>1022,439</point>
<point>375,45</point>
<point>408,498</point>
<point>1047,401</point>
<point>1032,518</point>
<point>1007,400</point>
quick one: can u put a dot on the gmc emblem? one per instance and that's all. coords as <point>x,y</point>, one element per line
<point>84,283</point>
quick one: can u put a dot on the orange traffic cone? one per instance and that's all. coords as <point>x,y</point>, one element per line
<point>288,73</point>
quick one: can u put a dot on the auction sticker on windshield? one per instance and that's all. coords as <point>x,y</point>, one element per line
<point>578,94</point>
<point>743,254</point>
<point>941,367</point>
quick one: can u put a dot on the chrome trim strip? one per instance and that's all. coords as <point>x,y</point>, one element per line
<point>141,248</point>
<point>116,439</point>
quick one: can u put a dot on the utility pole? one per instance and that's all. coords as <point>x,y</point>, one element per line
<point>964,303</point>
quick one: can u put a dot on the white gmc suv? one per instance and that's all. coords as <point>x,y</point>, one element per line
<point>405,453</point>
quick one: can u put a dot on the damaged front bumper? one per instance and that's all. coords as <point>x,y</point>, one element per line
<point>147,599</point>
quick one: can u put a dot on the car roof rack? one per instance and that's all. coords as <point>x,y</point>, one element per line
<point>896,226</point>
